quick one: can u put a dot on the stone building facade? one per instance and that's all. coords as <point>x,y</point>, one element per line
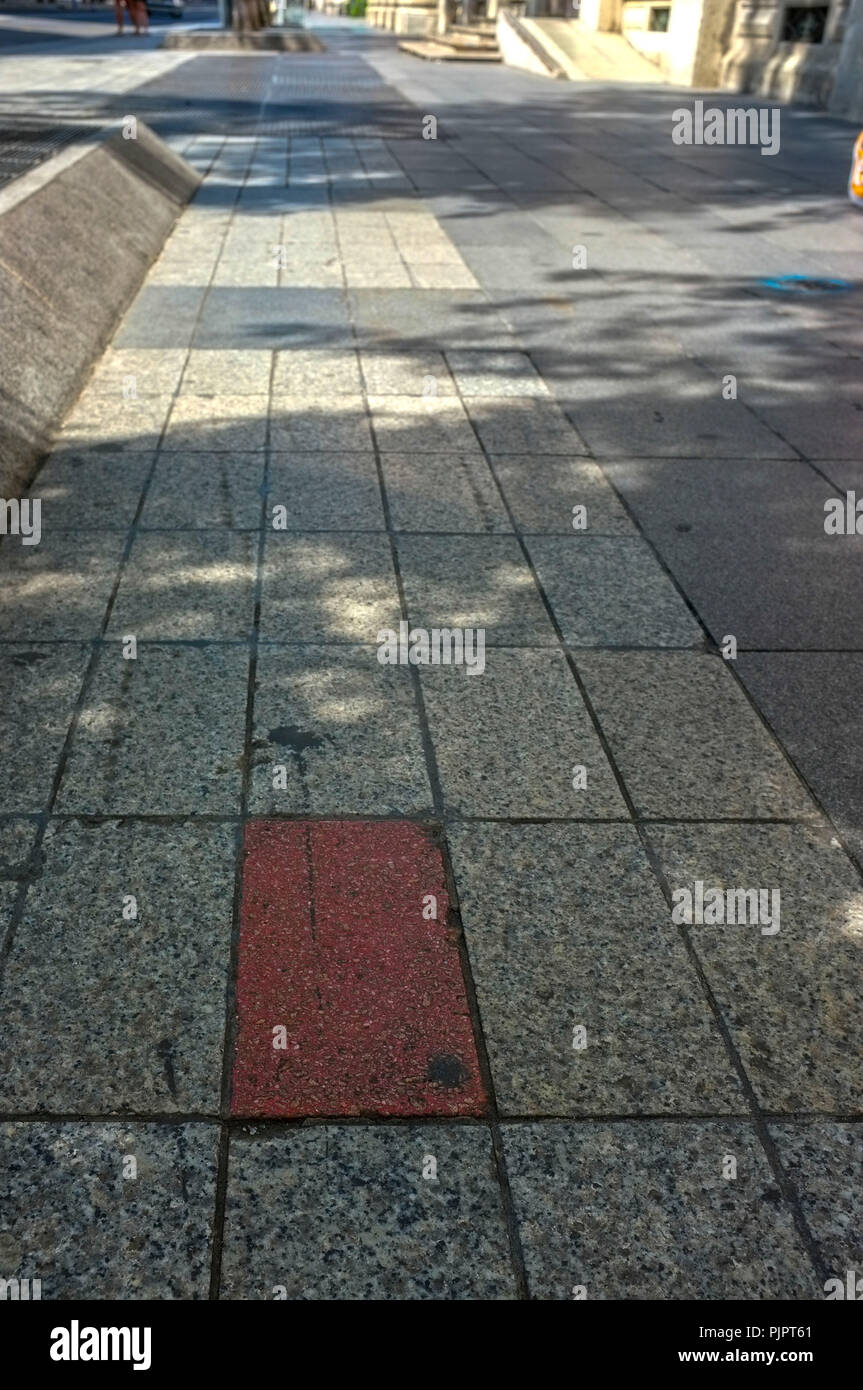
<point>807,51</point>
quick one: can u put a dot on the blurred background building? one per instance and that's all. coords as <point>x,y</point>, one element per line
<point>806,51</point>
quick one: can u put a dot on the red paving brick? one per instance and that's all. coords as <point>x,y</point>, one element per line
<point>334,947</point>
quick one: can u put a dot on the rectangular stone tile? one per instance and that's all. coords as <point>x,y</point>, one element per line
<point>38,690</point>
<point>183,268</point>
<point>204,424</point>
<point>474,581</point>
<point>543,493</point>
<point>250,251</point>
<point>305,423</point>
<point>187,587</point>
<point>316,372</point>
<point>160,735</point>
<point>162,316</point>
<point>523,424</point>
<point>336,732</point>
<point>137,371</point>
<point>746,540</point>
<point>822,424</point>
<point>790,996</point>
<point>567,930</point>
<point>326,492</point>
<point>418,226</point>
<point>151,1034</point>
<point>309,228</point>
<point>225,373</point>
<point>308,195</point>
<point>641,1210</point>
<point>345,1213</point>
<point>361,273</point>
<point>407,373</point>
<point>434,275</point>
<point>324,948</point>
<point>255,269</point>
<point>122,424</point>
<point>328,588</point>
<point>442,492</point>
<point>205,492</point>
<point>822,1159</point>
<point>845,474</point>
<point>523,282</point>
<point>436,319</point>
<point>683,421</point>
<point>421,424</point>
<point>197,242</point>
<point>253,230</point>
<point>312,271</point>
<point>274,318</point>
<point>60,587</point>
<point>431,251</point>
<point>507,741</point>
<point>608,592</point>
<point>686,739</point>
<point>812,702</point>
<point>359,225</point>
<point>479,373</point>
<point>80,490</point>
<point>70,1216</point>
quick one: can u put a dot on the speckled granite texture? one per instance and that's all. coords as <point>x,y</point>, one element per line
<point>323,978</point>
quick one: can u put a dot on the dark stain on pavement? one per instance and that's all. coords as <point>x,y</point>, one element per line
<point>447,1070</point>
<point>28,658</point>
<point>295,738</point>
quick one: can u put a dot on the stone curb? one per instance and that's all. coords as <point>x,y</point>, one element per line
<point>77,237</point>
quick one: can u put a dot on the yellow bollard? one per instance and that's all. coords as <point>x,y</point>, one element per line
<point>855,181</point>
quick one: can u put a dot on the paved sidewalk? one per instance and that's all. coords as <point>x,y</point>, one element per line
<point>50,98</point>
<point>253,876</point>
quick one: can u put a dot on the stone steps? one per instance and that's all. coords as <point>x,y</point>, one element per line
<point>462,42</point>
<point>433,49</point>
<point>589,55</point>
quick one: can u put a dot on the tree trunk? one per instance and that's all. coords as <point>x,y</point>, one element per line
<point>250,15</point>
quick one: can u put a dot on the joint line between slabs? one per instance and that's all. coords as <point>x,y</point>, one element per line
<point>220,1196</point>
<point>238,1123</point>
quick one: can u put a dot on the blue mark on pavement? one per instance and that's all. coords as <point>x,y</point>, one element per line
<point>806,284</point>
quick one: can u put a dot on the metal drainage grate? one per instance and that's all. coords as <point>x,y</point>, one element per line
<point>24,146</point>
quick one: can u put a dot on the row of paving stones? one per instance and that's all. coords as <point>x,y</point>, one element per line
<point>666,406</point>
<point>435,493</point>
<point>343,588</point>
<point>328,421</point>
<point>316,248</point>
<point>662,404</point>
<point>663,401</point>
<point>164,734</point>
<point>565,926</point>
<point>604,1210</point>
